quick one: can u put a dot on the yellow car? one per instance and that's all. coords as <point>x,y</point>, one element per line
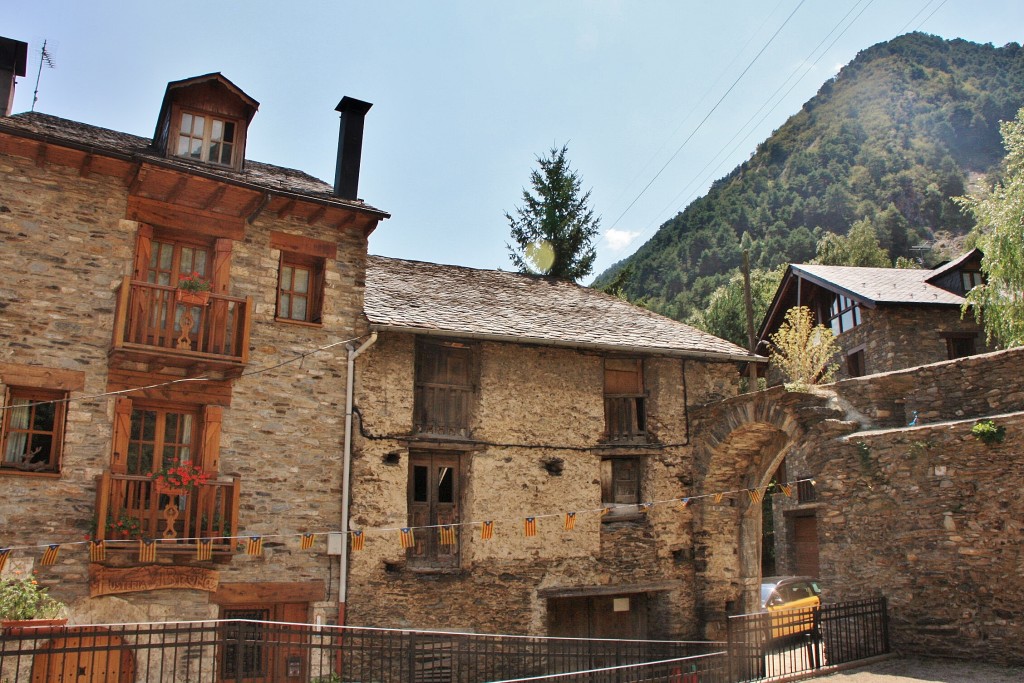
<point>792,602</point>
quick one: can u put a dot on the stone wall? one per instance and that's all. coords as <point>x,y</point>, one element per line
<point>281,434</point>
<point>535,407</point>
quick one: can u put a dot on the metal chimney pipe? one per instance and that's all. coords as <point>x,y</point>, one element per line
<point>350,147</point>
<point>13,56</point>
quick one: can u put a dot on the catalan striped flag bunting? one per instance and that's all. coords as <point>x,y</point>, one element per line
<point>4,554</point>
<point>204,550</point>
<point>530,526</point>
<point>718,498</point>
<point>407,537</point>
<point>307,541</point>
<point>447,535</point>
<point>254,546</point>
<point>487,531</point>
<point>570,521</point>
<point>683,503</point>
<point>97,550</point>
<point>147,550</point>
<point>755,495</point>
<point>359,540</point>
<point>50,554</point>
<point>787,489</point>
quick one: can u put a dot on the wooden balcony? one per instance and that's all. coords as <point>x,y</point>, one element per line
<point>625,417</point>
<point>442,410</point>
<point>209,511</point>
<point>148,330</point>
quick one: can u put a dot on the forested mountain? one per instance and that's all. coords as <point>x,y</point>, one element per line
<point>901,129</point>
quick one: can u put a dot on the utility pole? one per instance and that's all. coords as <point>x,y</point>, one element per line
<point>749,302</point>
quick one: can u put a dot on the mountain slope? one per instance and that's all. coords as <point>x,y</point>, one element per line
<point>892,137</point>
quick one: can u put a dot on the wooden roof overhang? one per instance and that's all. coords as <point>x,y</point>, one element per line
<point>157,186</point>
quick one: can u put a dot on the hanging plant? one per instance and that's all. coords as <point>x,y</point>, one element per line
<point>989,432</point>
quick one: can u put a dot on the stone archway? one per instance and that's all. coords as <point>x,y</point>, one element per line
<point>738,445</point>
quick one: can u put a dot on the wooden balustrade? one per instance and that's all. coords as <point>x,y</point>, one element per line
<point>625,417</point>
<point>442,410</point>
<point>207,511</point>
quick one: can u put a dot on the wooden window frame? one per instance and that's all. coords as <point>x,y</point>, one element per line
<point>34,396</point>
<point>315,289</point>
<point>952,341</point>
<point>206,138</point>
<point>856,362</point>
<point>844,314</point>
<point>621,506</point>
<point>625,411</point>
<point>160,441</point>
<point>427,511</point>
<point>971,279</point>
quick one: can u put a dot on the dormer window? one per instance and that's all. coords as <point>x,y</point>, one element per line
<point>970,279</point>
<point>206,139</point>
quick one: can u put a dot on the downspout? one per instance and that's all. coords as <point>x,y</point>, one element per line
<point>346,471</point>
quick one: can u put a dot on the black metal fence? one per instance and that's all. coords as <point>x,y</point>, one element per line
<point>792,642</point>
<point>760,646</point>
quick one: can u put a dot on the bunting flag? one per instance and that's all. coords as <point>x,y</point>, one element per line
<point>646,507</point>
<point>358,540</point>
<point>787,489</point>
<point>570,521</point>
<point>755,495</point>
<point>407,537</point>
<point>50,554</point>
<point>683,503</point>
<point>718,498</point>
<point>97,550</point>
<point>204,550</point>
<point>487,531</point>
<point>307,541</point>
<point>447,534</point>
<point>147,550</point>
<point>4,554</point>
<point>530,526</point>
<point>254,546</point>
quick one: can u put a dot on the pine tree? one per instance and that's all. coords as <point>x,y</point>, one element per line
<point>554,229</point>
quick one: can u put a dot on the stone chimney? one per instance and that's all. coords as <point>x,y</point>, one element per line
<point>350,147</point>
<point>13,56</point>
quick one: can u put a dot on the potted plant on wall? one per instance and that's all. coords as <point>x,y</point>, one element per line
<point>178,479</point>
<point>27,609</point>
<point>193,290</point>
<point>124,527</point>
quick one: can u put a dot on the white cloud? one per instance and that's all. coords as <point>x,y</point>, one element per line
<point>619,239</point>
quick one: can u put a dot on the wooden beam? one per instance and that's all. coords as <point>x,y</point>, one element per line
<point>41,154</point>
<point>40,377</point>
<point>255,207</point>
<point>141,171</point>
<point>269,592</point>
<point>215,197</point>
<point>347,218</point>
<point>298,244</point>
<point>316,215</point>
<point>176,189</point>
<point>85,168</point>
<point>288,207</point>
<point>626,589</point>
<point>155,212</point>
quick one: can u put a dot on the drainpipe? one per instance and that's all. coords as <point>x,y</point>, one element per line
<point>346,471</point>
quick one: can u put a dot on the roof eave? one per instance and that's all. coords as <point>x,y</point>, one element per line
<point>711,356</point>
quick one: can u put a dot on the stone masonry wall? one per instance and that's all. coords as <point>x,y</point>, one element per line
<point>535,407</point>
<point>282,434</point>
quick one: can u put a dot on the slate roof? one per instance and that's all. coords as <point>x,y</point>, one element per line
<point>105,141</point>
<point>455,301</point>
<point>880,285</point>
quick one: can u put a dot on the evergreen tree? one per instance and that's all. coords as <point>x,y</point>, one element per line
<point>554,229</point>
<point>1000,216</point>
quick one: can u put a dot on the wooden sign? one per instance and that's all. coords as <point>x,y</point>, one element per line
<point>111,580</point>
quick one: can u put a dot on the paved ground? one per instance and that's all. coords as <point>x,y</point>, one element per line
<point>910,670</point>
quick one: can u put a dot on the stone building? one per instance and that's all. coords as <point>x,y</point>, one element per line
<point>100,230</point>
<point>885,318</point>
<point>489,399</point>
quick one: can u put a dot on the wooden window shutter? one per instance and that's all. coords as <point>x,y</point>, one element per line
<point>122,435</point>
<point>221,265</point>
<point>210,455</point>
<point>143,251</point>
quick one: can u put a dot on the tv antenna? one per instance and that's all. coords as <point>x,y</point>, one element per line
<point>44,58</point>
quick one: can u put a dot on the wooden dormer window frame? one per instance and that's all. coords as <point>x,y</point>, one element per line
<point>208,138</point>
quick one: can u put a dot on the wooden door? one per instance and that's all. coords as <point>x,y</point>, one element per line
<point>257,652</point>
<point>600,616</point>
<point>84,659</point>
<point>805,546</point>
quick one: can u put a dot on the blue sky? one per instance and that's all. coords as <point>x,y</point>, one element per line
<point>467,94</point>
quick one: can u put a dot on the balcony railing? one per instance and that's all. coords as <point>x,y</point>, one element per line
<point>208,511</point>
<point>442,409</point>
<point>625,417</point>
<point>152,325</point>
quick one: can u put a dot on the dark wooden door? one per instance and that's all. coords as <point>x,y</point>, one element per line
<point>258,652</point>
<point>805,546</point>
<point>599,616</point>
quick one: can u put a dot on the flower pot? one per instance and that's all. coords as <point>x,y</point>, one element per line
<point>38,628</point>
<point>168,490</point>
<point>183,296</point>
